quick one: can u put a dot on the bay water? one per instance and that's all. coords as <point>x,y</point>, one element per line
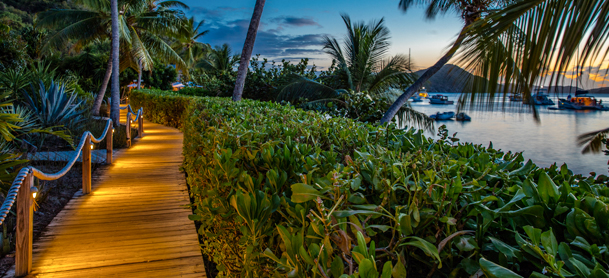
<point>551,140</point>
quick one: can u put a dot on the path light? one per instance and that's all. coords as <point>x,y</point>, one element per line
<point>34,191</point>
<point>112,130</point>
<point>91,146</point>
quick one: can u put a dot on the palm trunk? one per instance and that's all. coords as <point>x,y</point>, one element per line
<point>248,47</point>
<point>102,91</point>
<point>139,75</point>
<point>397,105</point>
<point>115,112</point>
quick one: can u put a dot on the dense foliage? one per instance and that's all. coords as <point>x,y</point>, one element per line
<point>282,191</point>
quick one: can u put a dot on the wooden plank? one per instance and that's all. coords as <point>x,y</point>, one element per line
<point>149,269</point>
<point>133,224</point>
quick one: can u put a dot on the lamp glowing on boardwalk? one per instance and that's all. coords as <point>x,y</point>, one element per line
<point>34,191</point>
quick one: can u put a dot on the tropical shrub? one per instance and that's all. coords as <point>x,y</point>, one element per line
<point>55,105</point>
<point>279,191</point>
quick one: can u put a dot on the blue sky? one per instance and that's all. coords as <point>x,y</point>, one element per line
<point>294,29</point>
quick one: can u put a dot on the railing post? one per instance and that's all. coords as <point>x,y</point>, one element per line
<point>109,143</point>
<point>128,129</point>
<point>140,125</point>
<point>86,166</point>
<point>25,228</point>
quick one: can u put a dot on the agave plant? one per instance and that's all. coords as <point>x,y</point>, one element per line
<point>55,106</point>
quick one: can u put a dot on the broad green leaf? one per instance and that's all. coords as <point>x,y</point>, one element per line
<point>303,192</point>
<point>548,190</point>
<point>399,271</point>
<point>549,242</point>
<point>505,249</point>
<point>367,269</point>
<point>337,268</point>
<point>387,269</point>
<point>493,270</point>
<point>347,213</point>
<point>426,246</point>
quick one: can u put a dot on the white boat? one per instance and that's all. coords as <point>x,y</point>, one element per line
<point>420,95</point>
<point>440,99</point>
<point>541,97</point>
<point>443,116</point>
<point>463,117</point>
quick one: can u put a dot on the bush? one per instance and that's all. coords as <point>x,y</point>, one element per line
<point>280,191</point>
<point>162,107</point>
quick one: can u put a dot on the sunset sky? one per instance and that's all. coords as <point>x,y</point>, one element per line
<point>294,29</point>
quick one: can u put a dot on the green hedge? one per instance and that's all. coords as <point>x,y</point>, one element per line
<point>280,191</point>
<point>162,107</point>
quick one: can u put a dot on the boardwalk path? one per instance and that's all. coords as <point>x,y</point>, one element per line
<point>133,224</point>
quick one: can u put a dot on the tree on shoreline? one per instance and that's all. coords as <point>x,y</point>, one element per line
<point>471,11</point>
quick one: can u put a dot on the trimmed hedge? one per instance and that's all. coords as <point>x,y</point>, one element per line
<point>162,107</point>
<point>280,191</point>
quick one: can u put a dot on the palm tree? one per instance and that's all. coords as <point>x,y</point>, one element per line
<point>361,65</point>
<point>188,45</point>
<point>534,42</point>
<point>219,60</point>
<point>142,23</point>
<point>115,113</point>
<point>248,47</point>
<point>471,11</point>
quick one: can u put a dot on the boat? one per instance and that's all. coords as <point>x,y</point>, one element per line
<point>581,101</point>
<point>420,95</point>
<point>541,97</point>
<point>443,116</point>
<point>463,117</point>
<point>440,99</point>
<point>516,97</point>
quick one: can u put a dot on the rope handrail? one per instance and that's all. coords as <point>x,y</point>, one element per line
<point>138,115</point>
<point>14,190</point>
<point>12,193</point>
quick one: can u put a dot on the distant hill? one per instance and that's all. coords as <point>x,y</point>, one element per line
<point>453,79</point>
<point>450,79</point>
<point>600,91</point>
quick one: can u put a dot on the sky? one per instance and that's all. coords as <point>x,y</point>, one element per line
<point>293,30</point>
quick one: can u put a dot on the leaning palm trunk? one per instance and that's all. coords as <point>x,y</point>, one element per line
<point>115,112</point>
<point>139,75</point>
<point>410,91</point>
<point>247,50</point>
<point>102,91</point>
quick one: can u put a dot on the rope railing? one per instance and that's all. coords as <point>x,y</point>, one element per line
<point>23,192</point>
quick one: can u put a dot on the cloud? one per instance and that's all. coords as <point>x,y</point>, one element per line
<point>295,21</point>
<point>269,43</point>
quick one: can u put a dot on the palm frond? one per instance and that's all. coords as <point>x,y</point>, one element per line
<point>394,73</point>
<point>541,40</point>
<point>303,88</point>
<point>593,141</point>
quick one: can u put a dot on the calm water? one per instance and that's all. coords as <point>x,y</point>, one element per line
<point>549,141</point>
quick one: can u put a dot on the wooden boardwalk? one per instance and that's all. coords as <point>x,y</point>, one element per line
<point>133,224</point>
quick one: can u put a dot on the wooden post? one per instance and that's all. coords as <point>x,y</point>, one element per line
<point>109,143</point>
<point>140,126</point>
<point>86,166</point>
<point>128,129</point>
<point>25,228</point>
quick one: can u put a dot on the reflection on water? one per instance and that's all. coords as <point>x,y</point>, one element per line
<point>551,140</point>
